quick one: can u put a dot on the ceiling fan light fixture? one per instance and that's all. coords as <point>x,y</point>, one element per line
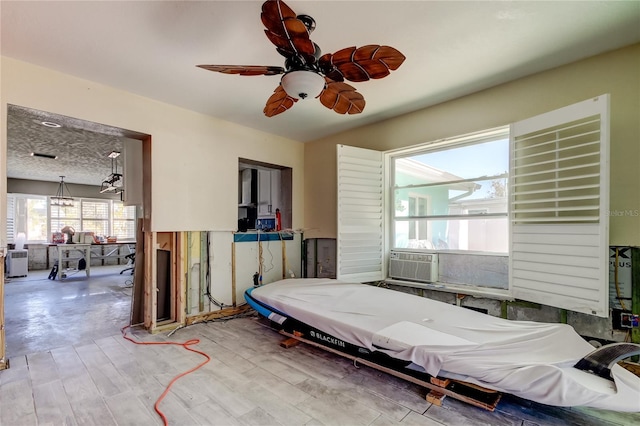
<point>302,84</point>
<point>307,72</point>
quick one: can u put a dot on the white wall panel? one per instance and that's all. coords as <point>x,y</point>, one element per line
<point>247,263</point>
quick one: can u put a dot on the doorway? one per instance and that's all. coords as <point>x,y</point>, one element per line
<point>41,313</point>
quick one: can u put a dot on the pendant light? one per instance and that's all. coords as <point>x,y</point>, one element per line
<point>61,198</point>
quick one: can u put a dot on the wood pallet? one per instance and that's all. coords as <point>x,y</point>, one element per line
<point>631,366</point>
<point>438,388</point>
<point>222,313</point>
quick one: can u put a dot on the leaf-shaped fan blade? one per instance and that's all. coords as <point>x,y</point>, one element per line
<point>244,69</point>
<point>327,68</point>
<point>342,98</point>
<point>361,64</point>
<point>285,30</point>
<point>278,102</point>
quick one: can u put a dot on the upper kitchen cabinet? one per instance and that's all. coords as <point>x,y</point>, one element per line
<point>268,193</point>
<point>263,189</point>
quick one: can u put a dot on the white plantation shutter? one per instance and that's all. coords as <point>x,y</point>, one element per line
<point>95,210</point>
<point>559,195</point>
<point>11,202</point>
<point>360,214</point>
<point>124,221</point>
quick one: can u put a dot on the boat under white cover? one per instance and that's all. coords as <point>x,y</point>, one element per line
<point>529,359</point>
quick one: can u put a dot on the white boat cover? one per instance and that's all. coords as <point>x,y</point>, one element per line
<point>529,359</point>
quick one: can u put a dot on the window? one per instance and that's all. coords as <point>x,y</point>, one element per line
<point>33,216</point>
<point>107,218</point>
<point>453,195</point>
<point>124,221</point>
<point>537,233</point>
<point>418,207</point>
<point>66,216</point>
<point>95,217</point>
<point>30,217</point>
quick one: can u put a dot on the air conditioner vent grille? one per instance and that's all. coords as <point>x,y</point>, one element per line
<point>421,267</point>
<point>18,254</point>
<point>17,263</point>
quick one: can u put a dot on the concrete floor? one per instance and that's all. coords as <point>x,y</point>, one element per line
<point>41,314</point>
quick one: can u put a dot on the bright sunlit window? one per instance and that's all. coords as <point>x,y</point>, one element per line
<point>453,196</point>
<point>66,216</point>
<point>29,217</point>
<point>33,216</point>
<point>123,221</point>
<point>95,217</point>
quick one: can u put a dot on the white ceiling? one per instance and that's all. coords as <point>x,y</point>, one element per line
<point>453,48</point>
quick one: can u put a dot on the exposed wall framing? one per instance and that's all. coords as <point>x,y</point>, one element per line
<point>635,290</point>
<point>4,363</point>
<point>155,316</point>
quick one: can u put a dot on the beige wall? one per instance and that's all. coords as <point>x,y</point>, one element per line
<point>616,73</point>
<point>194,157</point>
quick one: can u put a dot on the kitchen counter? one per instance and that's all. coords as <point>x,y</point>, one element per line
<point>254,236</point>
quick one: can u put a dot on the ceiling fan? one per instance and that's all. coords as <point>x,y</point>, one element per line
<point>308,73</point>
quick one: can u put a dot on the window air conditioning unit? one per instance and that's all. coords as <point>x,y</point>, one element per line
<point>413,266</point>
<point>17,263</point>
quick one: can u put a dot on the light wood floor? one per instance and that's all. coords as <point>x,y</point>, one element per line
<point>250,380</point>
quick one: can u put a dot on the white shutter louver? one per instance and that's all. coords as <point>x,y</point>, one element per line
<point>360,214</point>
<point>559,200</point>
<point>95,209</point>
<point>11,201</point>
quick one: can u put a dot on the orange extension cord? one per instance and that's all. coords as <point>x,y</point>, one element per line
<point>184,345</point>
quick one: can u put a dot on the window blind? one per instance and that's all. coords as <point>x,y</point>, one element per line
<point>10,218</point>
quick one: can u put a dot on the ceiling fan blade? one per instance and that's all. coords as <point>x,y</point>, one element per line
<point>342,98</point>
<point>328,69</point>
<point>278,102</point>
<point>361,64</point>
<point>288,33</point>
<point>244,69</point>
